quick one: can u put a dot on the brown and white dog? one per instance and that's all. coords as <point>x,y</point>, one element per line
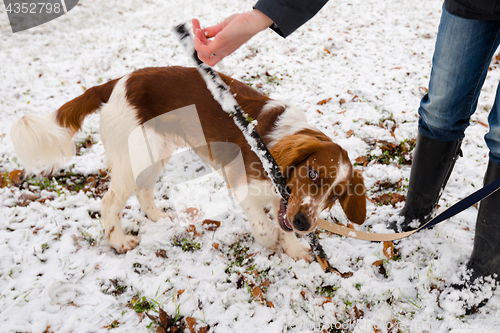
<point>318,171</point>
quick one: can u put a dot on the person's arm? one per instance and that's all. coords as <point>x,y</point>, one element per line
<point>229,35</point>
<point>289,15</point>
<point>283,16</point>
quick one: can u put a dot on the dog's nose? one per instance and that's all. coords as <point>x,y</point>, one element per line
<point>301,223</point>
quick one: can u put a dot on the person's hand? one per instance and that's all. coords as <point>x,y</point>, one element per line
<point>228,35</point>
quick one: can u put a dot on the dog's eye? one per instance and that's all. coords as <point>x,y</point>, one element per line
<point>313,175</point>
<point>334,197</point>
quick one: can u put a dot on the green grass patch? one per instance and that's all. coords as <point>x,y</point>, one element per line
<point>187,244</point>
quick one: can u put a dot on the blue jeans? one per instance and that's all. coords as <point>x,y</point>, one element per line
<point>463,53</point>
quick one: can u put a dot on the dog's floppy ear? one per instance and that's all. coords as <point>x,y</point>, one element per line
<point>353,201</point>
<point>293,149</point>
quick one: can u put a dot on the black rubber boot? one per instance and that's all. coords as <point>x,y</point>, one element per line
<point>484,262</point>
<point>485,258</point>
<point>432,164</point>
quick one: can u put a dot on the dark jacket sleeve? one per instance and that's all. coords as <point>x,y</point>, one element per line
<point>474,9</point>
<point>289,15</point>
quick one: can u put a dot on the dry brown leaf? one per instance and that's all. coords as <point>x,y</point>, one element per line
<point>11,178</point>
<point>114,324</point>
<point>357,313</point>
<point>396,198</point>
<point>192,228</point>
<point>191,324</point>
<point>26,198</point>
<point>192,213</point>
<point>90,183</point>
<point>180,292</point>
<point>194,327</point>
<point>251,255</point>
<point>211,225</point>
<point>324,101</point>
<point>161,254</point>
<point>394,327</point>
<point>326,300</point>
<point>16,177</point>
<point>257,294</point>
<point>363,160</point>
<point>381,269</point>
<point>389,250</point>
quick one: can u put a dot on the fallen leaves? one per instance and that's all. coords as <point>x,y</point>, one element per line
<point>177,324</point>
<point>114,324</point>
<point>161,254</point>
<point>392,153</point>
<point>85,144</point>
<point>26,198</point>
<point>344,275</point>
<point>257,294</point>
<point>210,225</point>
<point>381,269</point>
<point>167,323</point>
<point>362,160</point>
<point>192,229</point>
<point>324,101</point>
<point>13,178</point>
<point>192,213</point>
<point>394,327</point>
<point>388,199</point>
<point>90,183</point>
<point>194,327</point>
<point>389,250</point>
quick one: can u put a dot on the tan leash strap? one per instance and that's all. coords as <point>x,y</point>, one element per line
<point>363,235</point>
<point>450,212</point>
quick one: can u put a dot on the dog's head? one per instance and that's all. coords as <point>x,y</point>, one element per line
<point>318,173</point>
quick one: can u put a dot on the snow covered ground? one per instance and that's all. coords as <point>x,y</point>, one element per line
<point>368,64</point>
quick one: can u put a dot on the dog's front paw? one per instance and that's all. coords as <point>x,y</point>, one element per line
<point>268,240</point>
<point>294,248</point>
<point>123,243</point>
<point>160,215</point>
<point>300,251</point>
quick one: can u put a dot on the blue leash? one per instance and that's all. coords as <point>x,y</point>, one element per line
<point>464,203</point>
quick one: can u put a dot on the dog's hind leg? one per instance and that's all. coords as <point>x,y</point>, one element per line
<point>146,200</point>
<point>146,195</point>
<point>112,206</point>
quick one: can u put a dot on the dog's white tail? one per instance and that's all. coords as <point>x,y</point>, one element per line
<point>45,143</point>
